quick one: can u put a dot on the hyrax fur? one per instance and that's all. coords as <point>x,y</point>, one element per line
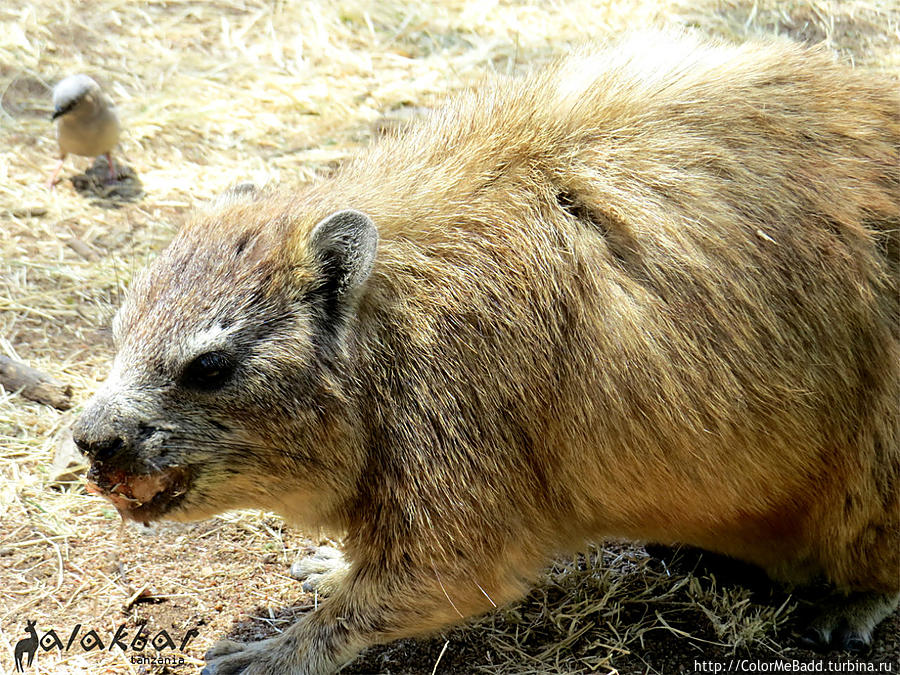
<point>650,292</point>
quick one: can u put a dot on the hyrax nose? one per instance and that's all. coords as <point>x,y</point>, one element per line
<point>98,448</point>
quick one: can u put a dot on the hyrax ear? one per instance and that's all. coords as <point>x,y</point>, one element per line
<point>344,245</point>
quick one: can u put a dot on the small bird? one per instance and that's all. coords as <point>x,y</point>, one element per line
<point>86,121</point>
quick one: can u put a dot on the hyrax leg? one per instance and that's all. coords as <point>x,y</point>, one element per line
<point>322,571</point>
<point>847,622</point>
<point>367,606</point>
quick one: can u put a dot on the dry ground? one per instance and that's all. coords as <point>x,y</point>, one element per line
<point>213,93</point>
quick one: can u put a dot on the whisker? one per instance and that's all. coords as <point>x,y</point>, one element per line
<point>438,577</point>
<point>255,450</point>
<point>485,594</point>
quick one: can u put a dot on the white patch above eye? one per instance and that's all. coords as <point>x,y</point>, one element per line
<point>207,340</point>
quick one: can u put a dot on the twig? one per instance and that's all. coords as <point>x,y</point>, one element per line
<point>34,385</point>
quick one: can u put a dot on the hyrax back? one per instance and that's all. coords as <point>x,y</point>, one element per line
<point>649,292</point>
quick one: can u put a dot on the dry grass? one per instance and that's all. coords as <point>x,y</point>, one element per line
<point>221,92</point>
<point>612,602</point>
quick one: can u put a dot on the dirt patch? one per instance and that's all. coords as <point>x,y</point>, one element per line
<point>106,191</point>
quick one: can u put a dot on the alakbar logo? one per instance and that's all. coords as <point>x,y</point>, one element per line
<point>27,647</point>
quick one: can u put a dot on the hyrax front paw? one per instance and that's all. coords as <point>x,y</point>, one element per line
<point>321,571</point>
<point>266,657</point>
<point>847,623</point>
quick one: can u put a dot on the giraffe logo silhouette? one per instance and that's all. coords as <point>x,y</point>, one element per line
<point>28,646</point>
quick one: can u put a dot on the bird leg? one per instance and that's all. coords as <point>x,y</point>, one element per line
<point>112,176</point>
<point>52,182</point>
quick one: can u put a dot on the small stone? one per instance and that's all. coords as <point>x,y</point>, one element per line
<point>29,211</point>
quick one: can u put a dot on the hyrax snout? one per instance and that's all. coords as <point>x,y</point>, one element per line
<point>648,292</point>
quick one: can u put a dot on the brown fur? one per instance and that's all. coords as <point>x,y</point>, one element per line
<point>649,293</point>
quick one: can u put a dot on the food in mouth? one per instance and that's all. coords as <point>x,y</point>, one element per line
<point>138,496</point>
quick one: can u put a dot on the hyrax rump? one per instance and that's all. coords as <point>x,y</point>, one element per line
<point>650,292</point>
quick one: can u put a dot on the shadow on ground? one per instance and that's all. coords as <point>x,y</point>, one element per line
<point>624,610</point>
<point>94,184</point>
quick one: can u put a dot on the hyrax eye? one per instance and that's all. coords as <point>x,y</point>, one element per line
<point>208,371</point>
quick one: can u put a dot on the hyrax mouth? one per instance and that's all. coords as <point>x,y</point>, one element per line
<point>139,496</point>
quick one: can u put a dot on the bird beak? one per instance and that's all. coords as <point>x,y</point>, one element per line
<point>63,109</point>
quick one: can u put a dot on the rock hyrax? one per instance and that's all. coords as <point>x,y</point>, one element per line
<point>649,292</point>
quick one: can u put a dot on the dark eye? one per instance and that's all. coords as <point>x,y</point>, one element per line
<point>208,371</point>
